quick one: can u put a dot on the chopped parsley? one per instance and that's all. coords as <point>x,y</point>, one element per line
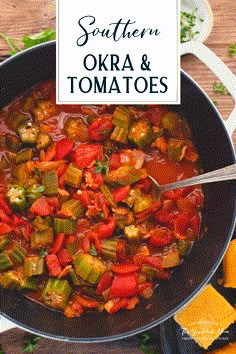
<point>30,343</point>
<point>102,167</point>
<point>28,41</point>
<point>43,253</point>
<point>232,50</point>
<point>187,24</point>
<point>219,88</point>
<point>93,251</point>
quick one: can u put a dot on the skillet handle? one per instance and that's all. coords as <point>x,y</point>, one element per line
<point>218,67</point>
<point>6,325</point>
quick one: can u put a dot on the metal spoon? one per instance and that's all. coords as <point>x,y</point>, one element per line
<point>222,174</point>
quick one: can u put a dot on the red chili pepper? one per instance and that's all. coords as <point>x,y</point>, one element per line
<point>159,237</point>
<point>86,302</point>
<point>63,148</point>
<point>58,243</point>
<point>100,128</point>
<point>5,206</point>
<point>118,305</point>
<point>124,285</point>
<point>148,212</point>
<point>5,228</point>
<point>125,268</point>
<point>4,217</point>
<point>121,193</point>
<point>144,185</point>
<point>114,161</point>
<point>86,154</point>
<point>41,207</point>
<point>181,223</point>
<point>53,265</point>
<point>105,230</point>
<point>104,283</point>
<point>64,257</point>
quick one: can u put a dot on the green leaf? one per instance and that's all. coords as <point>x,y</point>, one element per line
<point>102,167</point>
<point>37,171</point>
<point>30,343</point>
<point>40,189</point>
<point>38,38</point>
<point>93,251</point>
<point>187,24</point>
<point>43,253</point>
<point>232,50</point>
<point>219,88</point>
<point>32,196</point>
<point>214,102</point>
<point>146,344</point>
<point>1,350</point>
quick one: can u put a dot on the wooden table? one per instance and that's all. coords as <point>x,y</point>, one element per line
<point>19,17</point>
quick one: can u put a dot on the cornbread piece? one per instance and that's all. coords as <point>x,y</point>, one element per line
<point>229,266</point>
<point>206,316</point>
<point>228,349</point>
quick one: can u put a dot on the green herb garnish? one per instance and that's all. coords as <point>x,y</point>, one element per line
<point>28,41</point>
<point>187,24</point>
<point>93,251</point>
<point>146,344</point>
<point>102,167</point>
<point>232,50</point>
<point>1,350</point>
<point>30,343</point>
<point>34,195</point>
<point>214,102</point>
<point>219,88</point>
<point>37,171</point>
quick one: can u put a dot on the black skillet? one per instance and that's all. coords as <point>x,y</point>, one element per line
<point>215,148</point>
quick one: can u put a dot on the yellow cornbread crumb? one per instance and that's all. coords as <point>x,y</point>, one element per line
<point>206,316</point>
<point>229,266</point>
<point>228,349</point>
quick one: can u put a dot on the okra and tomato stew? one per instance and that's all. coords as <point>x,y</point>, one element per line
<point>81,228</point>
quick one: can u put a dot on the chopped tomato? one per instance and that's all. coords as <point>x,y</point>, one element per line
<point>104,283</point>
<point>100,128</point>
<point>154,261</point>
<point>86,302</point>
<point>195,224</point>
<point>93,179</point>
<point>63,148</point>
<point>181,223</point>
<point>58,243</point>
<point>41,207</point>
<point>120,304</point>
<point>154,114</point>
<point>164,216</point>
<point>53,265</point>
<point>51,152</point>
<point>4,217</point>
<point>114,161</point>
<point>5,228</point>
<point>121,193</point>
<point>5,206</point>
<point>106,230</point>
<point>124,285</point>
<point>125,268</point>
<point>143,215</point>
<point>144,185</point>
<point>86,154</point>
<point>159,237</point>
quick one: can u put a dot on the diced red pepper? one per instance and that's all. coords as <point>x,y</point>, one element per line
<point>143,215</point>
<point>118,305</point>
<point>58,243</point>
<point>64,257</point>
<point>104,283</point>
<point>5,228</point>
<point>86,302</point>
<point>125,268</point>
<point>106,230</point>
<point>114,161</point>
<point>100,128</point>
<point>86,154</point>
<point>4,217</point>
<point>159,237</point>
<point>63,148</point>
<point>53,265</point>
<point>41,207</point>
<point>121,193</point>
<point>124,285</point>
<point>5,206</point>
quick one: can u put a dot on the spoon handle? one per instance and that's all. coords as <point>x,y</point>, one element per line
<point>222,174</point>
